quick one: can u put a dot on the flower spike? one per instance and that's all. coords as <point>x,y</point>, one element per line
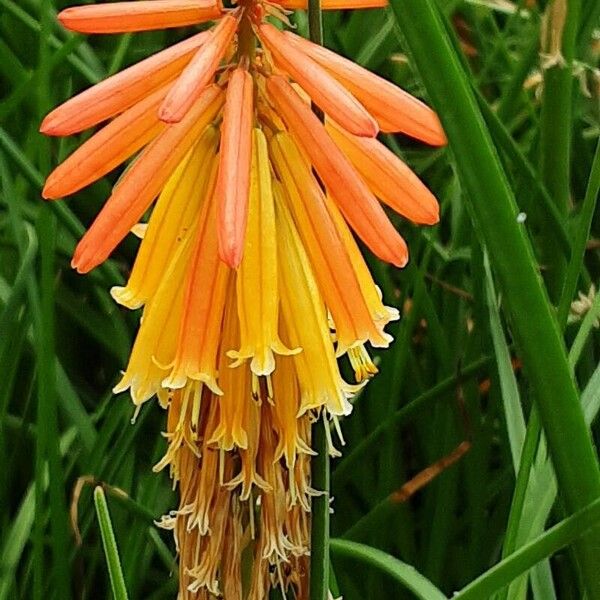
<point>233,184</point>
<point>249,278</point>
<point>326,92</point>
<point>142,15</point>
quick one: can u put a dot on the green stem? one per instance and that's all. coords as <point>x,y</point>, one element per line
<point>555,136</point>
<point>494,212</point>
<point>315,22</point>
<point>319,535</point>
<point>320,468</point>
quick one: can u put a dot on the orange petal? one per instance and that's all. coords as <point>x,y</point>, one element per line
<point>333,4</point>
<point>199,72</point>
<point>358,205</point>
<point>142,15</point>
<point>119,92</point>
<point>394,109</point>
<point>389,178</point>
<point>203,306</point>
<point>233,184</point>
<point>331,264</point>
<point>142,183</point>
<point>327,93</point>
<point>110,147</point>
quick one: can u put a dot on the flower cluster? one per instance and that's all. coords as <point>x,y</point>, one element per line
<point>251,282</point>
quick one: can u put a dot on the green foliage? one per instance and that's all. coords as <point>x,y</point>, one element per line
<point>497,523</point>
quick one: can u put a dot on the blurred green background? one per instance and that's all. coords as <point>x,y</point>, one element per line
<point>452,375</point>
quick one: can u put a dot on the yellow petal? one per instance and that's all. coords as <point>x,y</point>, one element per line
<point>257,286</point>
<point>175,212</point>
<point>306,322</point>
<point>380,313</point>
<point>328,256</point>
<point>156,340</point>
<point>204,302</point>
<point>231,431</point>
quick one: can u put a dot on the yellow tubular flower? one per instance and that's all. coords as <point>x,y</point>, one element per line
<point>203,306</point>
<point>257,290</point>
<point>333,270</point>
<point>176,210</point>
<point>284,414</point>
<point>306,322</point>
<point>156,340</point>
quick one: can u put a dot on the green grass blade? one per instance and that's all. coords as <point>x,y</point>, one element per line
<point>556,127</point>
<point>515,423</point>
<point>109,544</point>
<point>554,539</point>
<point>408,576</point>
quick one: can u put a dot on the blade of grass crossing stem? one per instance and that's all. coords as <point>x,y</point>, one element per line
<point>494,212</point>
<point>581,234</point>
<point>404,574</point>
<point>109,543</point>
<point>319,537</point>
<point>521,490</point>
<point>587,326</point>
<point>554,539</point>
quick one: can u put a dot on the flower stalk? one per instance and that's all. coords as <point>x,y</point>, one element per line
<point>320,467</point>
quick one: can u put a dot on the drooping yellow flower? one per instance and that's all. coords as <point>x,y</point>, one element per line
<point>248,276</point>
